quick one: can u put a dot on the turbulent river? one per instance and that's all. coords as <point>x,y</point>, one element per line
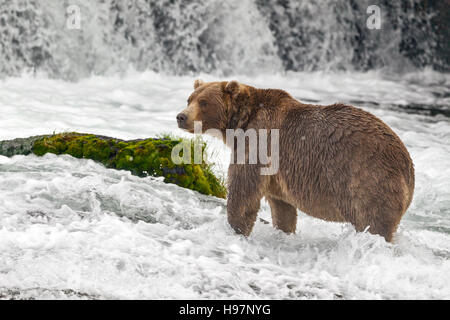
<point>69,228</point>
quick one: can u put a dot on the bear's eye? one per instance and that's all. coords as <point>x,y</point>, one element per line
<point>203,103</point>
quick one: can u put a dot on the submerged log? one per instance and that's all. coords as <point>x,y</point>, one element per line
<point>143,157</point>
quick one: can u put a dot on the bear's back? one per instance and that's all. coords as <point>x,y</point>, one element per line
<point>325,148</point>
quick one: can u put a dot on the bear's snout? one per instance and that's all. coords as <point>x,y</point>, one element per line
<point>181,119</point>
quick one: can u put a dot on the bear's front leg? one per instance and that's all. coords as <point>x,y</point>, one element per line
<point>284,215</point>
<point>244,197</point>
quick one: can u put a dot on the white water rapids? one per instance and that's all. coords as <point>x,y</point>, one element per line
<point>69,228</point>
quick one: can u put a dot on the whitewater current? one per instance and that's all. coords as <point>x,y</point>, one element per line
<point>73,39</point>
<point>70,228</point>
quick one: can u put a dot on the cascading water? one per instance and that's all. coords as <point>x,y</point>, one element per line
<point>238,36</point>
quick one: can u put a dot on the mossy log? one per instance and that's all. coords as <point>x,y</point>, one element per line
<point>143,157</point>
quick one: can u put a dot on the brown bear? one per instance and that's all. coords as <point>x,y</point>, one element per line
<point>337,163</point>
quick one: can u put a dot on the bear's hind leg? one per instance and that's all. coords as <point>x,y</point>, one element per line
<point>284,216</point>
<point>386,230</point>
<point>381,221</point>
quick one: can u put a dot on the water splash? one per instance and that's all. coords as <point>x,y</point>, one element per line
<point>237,36</point>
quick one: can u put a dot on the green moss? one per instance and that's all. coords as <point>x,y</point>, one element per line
<point>141,157</point>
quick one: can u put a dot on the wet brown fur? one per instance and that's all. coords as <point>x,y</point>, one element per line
<point>337,162</point>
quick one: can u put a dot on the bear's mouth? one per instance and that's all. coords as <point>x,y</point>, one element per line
<point>183,126</point>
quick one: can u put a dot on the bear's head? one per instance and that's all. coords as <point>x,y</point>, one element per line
<point>217,105</point>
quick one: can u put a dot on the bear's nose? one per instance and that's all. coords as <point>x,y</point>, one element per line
<point>181,118</point>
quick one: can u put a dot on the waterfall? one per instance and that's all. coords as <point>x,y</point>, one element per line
<point>214,36</point>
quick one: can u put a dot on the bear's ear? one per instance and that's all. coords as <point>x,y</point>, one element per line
<point>233,88</point>
<point>198,83</point>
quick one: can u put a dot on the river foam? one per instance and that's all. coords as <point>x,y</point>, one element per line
<point>69,228</point>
